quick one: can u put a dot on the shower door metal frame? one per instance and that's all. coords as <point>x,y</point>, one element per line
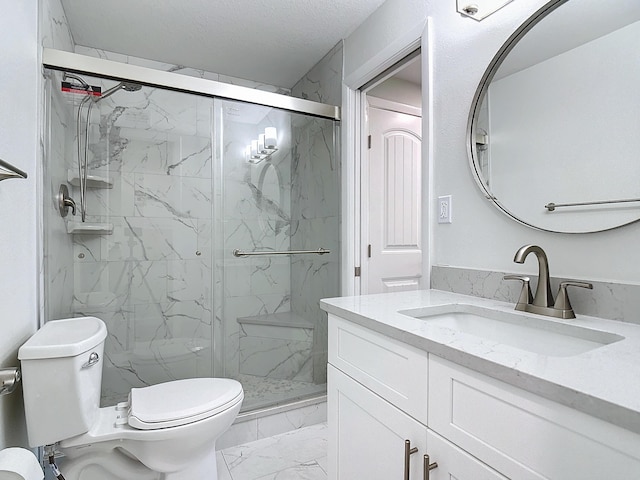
<point>76,63</point>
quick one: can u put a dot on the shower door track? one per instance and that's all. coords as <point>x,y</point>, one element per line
<point>76,63</point>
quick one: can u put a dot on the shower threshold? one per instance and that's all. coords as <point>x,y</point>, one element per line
<point>262,392</point>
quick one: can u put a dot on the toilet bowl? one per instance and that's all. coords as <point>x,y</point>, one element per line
<point>164,432</point>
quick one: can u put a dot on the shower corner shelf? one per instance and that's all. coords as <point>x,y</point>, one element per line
<point>93,181</point>
<point>89,228</point>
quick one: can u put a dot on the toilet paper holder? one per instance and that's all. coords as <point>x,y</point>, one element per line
<point>9,379</point>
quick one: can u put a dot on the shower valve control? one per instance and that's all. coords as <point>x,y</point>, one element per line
<point>65,201</point>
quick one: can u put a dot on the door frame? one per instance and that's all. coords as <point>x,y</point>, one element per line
<point>354,144</point>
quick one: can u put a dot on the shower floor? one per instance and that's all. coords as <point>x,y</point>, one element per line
<point>260,392</point>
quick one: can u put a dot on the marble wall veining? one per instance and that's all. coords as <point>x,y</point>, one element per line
<point>151,279</point>
<point>181,69</point>
<point>182,197</point>
<point>58,153</point>
<point>54,26</point>
<point>615,301</point>
<point>316,203</point>
<point>256,216</point>
<point>56,142</point>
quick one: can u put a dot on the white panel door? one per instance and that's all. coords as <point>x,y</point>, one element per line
<point>367,434</point>
<point>394,258</point>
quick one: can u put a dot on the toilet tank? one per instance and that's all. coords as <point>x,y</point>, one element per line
<point>61,378</point>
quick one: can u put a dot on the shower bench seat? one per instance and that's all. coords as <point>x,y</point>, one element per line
<point>276,345</point>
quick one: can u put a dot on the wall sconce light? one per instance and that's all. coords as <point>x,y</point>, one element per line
<point>264,147</point>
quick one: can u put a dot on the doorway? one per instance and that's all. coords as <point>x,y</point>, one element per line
<point>391,180</point>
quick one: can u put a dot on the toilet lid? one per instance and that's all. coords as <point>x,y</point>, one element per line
<point>180,402</point>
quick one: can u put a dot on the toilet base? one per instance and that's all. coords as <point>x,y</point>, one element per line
<point>117,465</point>
<point>114,465</point>
<point>205,468</point>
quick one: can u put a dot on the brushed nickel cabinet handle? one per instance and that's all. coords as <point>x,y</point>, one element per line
<point>428,467</point>
<point>408,451</point>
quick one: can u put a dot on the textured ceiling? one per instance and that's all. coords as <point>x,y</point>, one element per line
<point>270,41</point>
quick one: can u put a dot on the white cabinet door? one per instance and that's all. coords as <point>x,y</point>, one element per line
<point>454,463</point>
<point>367,434</point>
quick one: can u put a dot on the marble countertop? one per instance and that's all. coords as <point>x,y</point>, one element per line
<point>603,382</point>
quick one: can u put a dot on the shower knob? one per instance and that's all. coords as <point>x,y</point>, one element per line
<point>65,201</point>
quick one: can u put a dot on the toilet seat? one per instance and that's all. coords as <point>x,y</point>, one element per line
<point>180,402</point>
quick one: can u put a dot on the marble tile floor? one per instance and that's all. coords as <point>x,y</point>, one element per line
<point>297,455</point>
<point>260,392</point>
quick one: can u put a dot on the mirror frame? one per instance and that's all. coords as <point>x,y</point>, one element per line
<point>476,103</point>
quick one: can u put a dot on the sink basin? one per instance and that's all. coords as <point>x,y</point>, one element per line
<point>532,333</point>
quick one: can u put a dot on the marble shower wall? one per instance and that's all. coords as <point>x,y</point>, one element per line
<point>151,279</point>
<point>176,218</point>
<point>256,216</point>
<point>316,203</point>
<point>56,149</point>
<point>58,155</point>
<point>181,69</point>
<point>54,26</point>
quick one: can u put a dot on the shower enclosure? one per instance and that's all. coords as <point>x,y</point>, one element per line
<point>199,252</point>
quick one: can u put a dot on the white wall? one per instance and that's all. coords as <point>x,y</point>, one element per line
<point>385,32</point>
<point>398,90</point>
<point>19,100</point>
<point>481,237</point>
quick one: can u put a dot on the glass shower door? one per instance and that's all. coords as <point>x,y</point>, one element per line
<point>142,260</point>
<point>172,191</point>
<point>274,201</point>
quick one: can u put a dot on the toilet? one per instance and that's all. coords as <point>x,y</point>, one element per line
<point>163,432</point>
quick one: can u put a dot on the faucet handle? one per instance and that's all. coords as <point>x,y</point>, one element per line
<point>563,303</point>
<point>525,294</point>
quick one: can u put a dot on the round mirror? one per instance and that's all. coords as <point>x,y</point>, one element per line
<point>554,129</point>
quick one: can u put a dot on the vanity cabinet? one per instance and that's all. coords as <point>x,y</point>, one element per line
<point>382,392</point>
<point>368,440</point>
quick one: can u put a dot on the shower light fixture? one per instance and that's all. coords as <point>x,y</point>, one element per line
<point>264,147</point>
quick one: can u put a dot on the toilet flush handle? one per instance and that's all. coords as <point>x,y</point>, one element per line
<point>93,359</point>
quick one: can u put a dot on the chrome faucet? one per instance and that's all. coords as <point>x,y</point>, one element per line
<point>542,303</point>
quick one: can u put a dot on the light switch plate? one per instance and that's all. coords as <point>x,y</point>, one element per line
<point>444,209</point>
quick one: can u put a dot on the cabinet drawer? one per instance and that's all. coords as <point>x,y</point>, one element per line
<point>454,463</point>
<point>522,435</point>
<point>395,371</point>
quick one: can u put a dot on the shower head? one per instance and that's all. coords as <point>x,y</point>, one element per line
<point>127,86</point>
<point>131,87</point>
